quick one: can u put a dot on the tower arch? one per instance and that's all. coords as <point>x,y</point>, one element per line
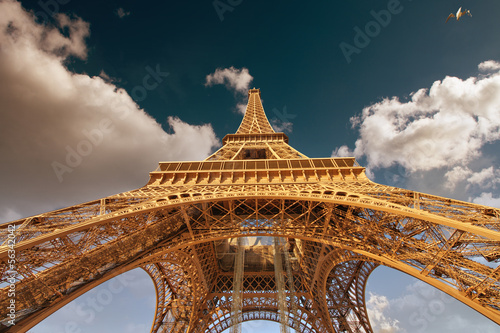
<point>336,224</point>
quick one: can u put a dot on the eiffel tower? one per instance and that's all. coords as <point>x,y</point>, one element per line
<point>199,229</point>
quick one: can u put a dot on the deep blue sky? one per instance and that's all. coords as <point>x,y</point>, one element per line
<point>292,50</point>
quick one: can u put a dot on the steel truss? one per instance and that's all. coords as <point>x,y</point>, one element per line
<point>335,224</point>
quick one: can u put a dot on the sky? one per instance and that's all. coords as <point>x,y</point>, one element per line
<point>94,94</point>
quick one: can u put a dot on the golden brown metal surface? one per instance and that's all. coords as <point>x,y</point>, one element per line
<point>335,225</point>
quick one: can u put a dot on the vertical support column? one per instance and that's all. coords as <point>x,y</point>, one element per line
<point>416,198</point>
<point>103,207</point>
<point>294,301</point>
<point>236,306</point>
<point>280,285</point>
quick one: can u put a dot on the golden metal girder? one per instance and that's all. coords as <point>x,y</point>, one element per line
<point>336,225</point>
<point>352,229</point>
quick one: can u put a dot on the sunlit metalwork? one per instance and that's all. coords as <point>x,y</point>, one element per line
<point>280,285</point>
<point>335,224</point>
<point>236,314</point>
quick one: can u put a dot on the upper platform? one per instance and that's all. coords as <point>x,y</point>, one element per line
<point>256,154</point>
<point>255,126</point>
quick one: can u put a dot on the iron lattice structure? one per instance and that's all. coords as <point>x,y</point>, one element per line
<point>333,224</point>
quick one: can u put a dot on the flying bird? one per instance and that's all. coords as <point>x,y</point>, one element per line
<point>459,14</point>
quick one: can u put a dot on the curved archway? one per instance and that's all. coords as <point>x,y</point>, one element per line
<point>400,301</point>
<point>333,223</point>
<point>125,303</point>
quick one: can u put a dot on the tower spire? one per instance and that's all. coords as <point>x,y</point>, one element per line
<point>255,120</point>
<point>255,138</point>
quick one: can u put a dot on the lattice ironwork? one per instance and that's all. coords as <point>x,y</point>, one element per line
<point>280,285</point>
<point>294,301</point>
<point>236,312</point>
<point>335,224</point>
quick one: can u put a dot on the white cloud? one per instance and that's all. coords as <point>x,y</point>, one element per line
<point>122,13</point>
<point>282,120</point>
<point>49,113</point>
<point>235,79</point>
<point>342,151</point>
<point>105,76</point>
<point>489,65</point>
<point>281,126</point>
<point>444,126</point>
<point>21,37</point>
<point>377,307</point>
<point>456,175</point>
<point>487,199</point>
<point>241,108</point>
<point>485,178</point>
<point>438,138</point>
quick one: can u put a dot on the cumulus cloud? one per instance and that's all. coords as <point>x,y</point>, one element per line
<point>442,129</point>
<point>234,79</point>
<point>281,121</point>
<point>446,125</point>
<point>456,175</point>
<point>488,177</point>
<point>281,126</point>
<point>68,137</point>
<point>437,139</point>
<point>20,36</point>
<point>342,151</point>
<point>489,65</point>
<point>484,179</point>
<point>487,199</point>
<point>241,107</point>
<point>377,307</point>
<point>106,77</point>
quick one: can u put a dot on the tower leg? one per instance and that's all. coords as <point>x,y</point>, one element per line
<point>236,306</point>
